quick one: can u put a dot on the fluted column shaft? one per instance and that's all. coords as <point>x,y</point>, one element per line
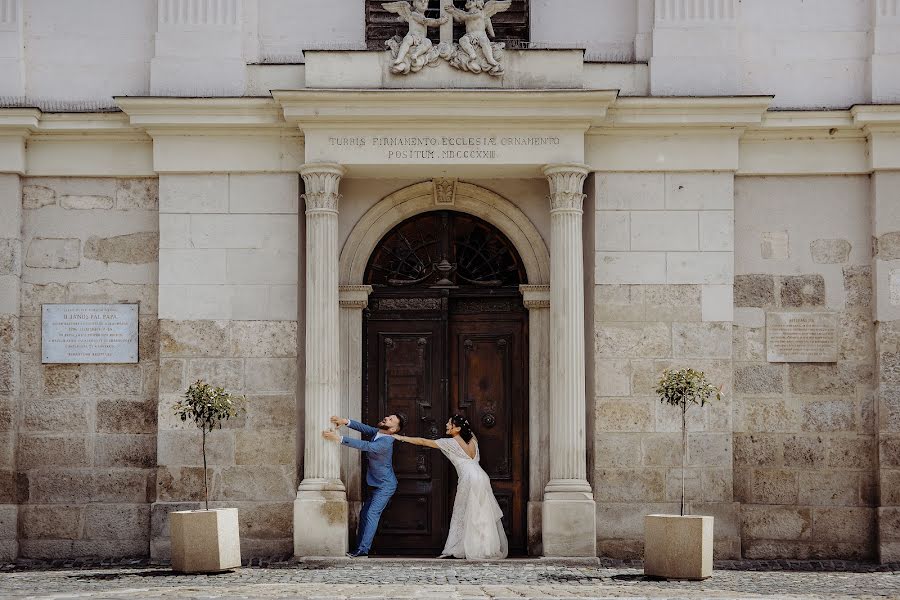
<point>568,464</point>
<point>322,460</point>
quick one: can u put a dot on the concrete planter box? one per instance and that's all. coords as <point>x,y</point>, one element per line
<point>205,541</point>
<point>678,547</point>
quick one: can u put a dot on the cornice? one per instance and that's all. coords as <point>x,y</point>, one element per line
<point>806,125</point>
<point>666,113</point>
<point>882,117</point>
<point>204,115</point>
<point>326,108</point>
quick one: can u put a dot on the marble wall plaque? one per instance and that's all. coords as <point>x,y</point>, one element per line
<point>89,333</point>
<point>802,337</point>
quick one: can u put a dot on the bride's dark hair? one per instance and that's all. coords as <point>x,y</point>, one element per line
<point>463,424</point>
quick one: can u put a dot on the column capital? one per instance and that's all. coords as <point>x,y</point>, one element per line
<point>535,296</point>
<point>566,186</point>
<point>354,296</point>
<point>322,181</point>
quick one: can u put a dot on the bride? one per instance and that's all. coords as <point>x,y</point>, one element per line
<point>476,530</point>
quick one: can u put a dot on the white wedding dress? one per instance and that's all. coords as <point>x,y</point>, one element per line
<point>476,529</point>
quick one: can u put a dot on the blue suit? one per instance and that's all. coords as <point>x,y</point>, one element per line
<point>379,476</point>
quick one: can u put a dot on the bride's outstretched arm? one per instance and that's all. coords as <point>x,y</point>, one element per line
<point>416,440</point>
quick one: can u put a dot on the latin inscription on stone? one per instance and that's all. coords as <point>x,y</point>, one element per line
<point>89,333</point>
<point>475,148</point>
<point>802,337</point>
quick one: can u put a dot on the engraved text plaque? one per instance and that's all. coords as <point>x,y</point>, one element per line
<point>89,333</point>
<point>802,337</point>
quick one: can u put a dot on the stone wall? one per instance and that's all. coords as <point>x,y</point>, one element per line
<point>663,299</point>
<point>228,314</point>
<point>86,446</point>
<point>805,452</point>
<point>10,282</point>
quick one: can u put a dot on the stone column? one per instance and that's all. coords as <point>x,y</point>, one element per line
<point>353,300</point>
<point>320,511</point>
<point>569,519</point>
<point>537,300</point>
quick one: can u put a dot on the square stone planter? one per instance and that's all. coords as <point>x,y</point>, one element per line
<point>677,547</point>
<point>205,541</point>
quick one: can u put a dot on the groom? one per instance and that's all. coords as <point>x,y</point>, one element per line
<point>380,474</point>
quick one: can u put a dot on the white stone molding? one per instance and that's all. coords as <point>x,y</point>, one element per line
<point>12,49</point>
<point>191,14</point>
<point>535,296</point>
<point>353,300</point>
<point>568,509</point>
<point>419,198</point>
<point>885,61</point>
<point>680,12</point>
<point>444,191</point>
<point>320,511</point>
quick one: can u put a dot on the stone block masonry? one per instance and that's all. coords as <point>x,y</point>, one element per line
<point>85,453</point>
<point>253,458</point>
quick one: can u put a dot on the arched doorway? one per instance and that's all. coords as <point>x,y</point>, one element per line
<point>445,332</point>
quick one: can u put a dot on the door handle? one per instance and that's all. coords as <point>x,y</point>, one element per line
<point>488,420</point>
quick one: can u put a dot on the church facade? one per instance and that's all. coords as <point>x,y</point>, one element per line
<point>523,212</point>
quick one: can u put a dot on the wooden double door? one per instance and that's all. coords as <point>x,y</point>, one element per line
<point>433,353</point>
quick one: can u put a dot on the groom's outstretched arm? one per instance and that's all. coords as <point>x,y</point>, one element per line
<point>361,427</point>
<point>361,445</point>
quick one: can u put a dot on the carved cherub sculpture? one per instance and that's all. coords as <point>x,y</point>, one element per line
<point>415,50</point>
<point>477,18</point>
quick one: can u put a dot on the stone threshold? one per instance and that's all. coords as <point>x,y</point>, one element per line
<point>415,561</point>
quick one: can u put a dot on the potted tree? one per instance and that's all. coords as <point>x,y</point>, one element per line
<point>681,546</point>
<point>206,541</point>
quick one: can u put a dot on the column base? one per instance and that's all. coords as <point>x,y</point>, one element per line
<point>569,520</point>
<point>321,519</point>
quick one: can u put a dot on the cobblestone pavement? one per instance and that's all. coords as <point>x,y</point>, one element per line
<point>384,579</point>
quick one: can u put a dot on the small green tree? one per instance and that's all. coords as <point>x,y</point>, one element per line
<point>681,388</point>
<point>208,407</point>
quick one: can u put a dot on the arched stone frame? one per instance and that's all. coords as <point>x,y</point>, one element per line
<point>518,228</point>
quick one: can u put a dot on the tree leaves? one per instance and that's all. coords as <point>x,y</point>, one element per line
<point>686,386</point>
<point>207,406</point>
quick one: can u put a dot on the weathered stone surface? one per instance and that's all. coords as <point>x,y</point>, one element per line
<point>266,521</point>
<point>661,450</point>
<point>889,368</point>
<point>828,379</point>
<point>111,380</point>
<point>717,485</point>
<point>829,488</point>
<point>193,338</point>
<point>270,412</point>
<point>830,252</point>
<point>180,483</point>
<point>137,194</point>
<point>749,343</point>
<point>125,451</point>
<point>807,452</point>
<point>264,339</point>
<point>116,522</point>
<point>631,485</point>
<point>53,253</point>
<point>617,450</point>
<point>754,291</point>
<point>270,374</point>
<point>52,450</point>
<point>670,302</point>
<point>58,415</point>
<point>857,336</point>
<point>159,516</point>
<point>184,448</point>
<point>257,482</point>
<point>693,490</point>
<point>127,486</point>
<point>844,525</point>
<point>9,372</point>
<point>857,452</point>
<point>8,487</point>
<point>633,340</point>
<point>224,372</point>
<point>133,248</point>
<point>775,245</point>
<point>9,332</point>
<point>774,486</point>
<point>612,378</point>
<point>888,246</point>
<point>37,196</point>
<point>624,415</point>
<point>890,488</point>
<point>10,257</point>
<point>265,447</point>
<point>61,380</point>
<point>829,415</point>
<point>85,202</point>
<point>172,375</point>
<point>803,290</point>
<point>51,522</point>
<point>34,295</point>
<point>757,450</point>
<point>7,412</point>
<point>57,485</point>
<point>105,291</point>
<point>858,286</point>
<point>702,340</point>
<point>758,379</point>
<point>126,416</point>
<point>775,523</point>
<point>709,449</point>
<point>889,452</point>
<point>148,338</point>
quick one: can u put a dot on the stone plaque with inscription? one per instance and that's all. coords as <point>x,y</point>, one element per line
<point>89,333</point>
<point>802,337</point>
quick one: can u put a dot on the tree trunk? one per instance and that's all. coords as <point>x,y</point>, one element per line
<point>205,478</point>
<point>683,449</point>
